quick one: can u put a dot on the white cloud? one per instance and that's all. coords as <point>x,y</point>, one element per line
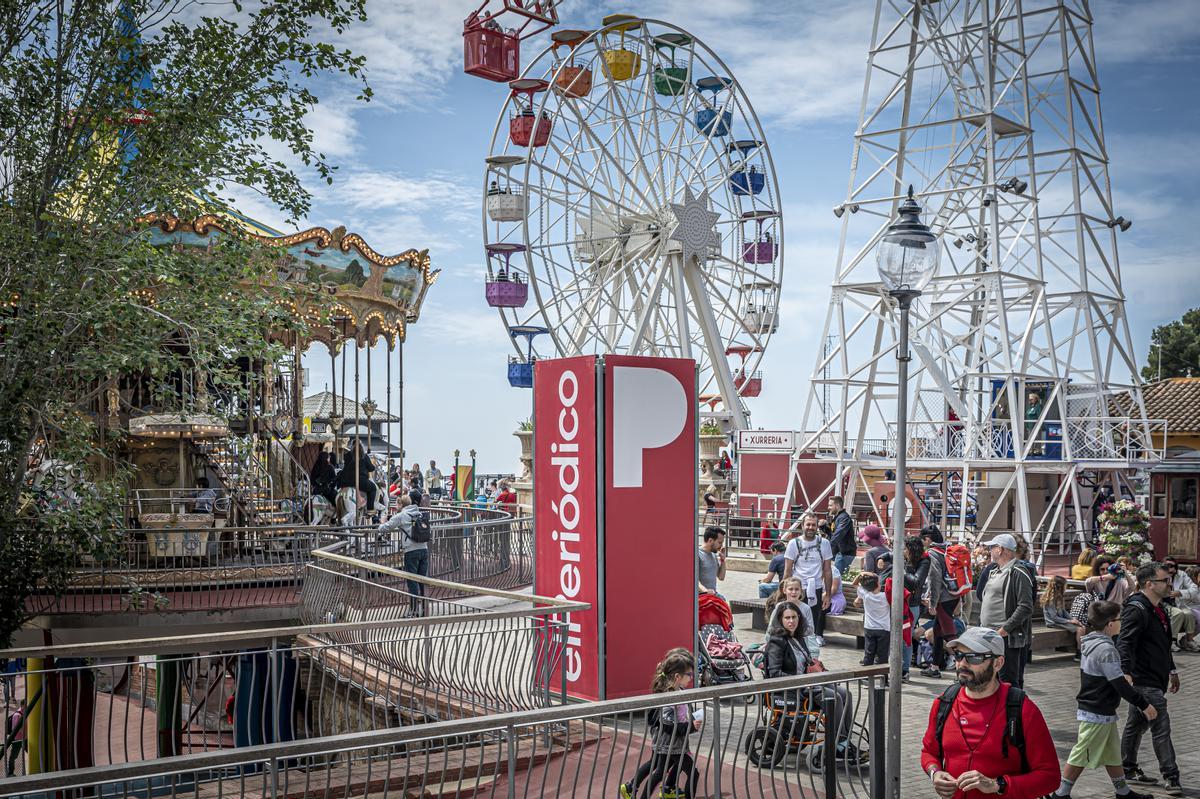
<point>797,62</point>
<point>411,46</point>
<point>1151,30</point>
<point>334,128</point>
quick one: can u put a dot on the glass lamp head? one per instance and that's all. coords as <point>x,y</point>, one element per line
<point>908,254</point>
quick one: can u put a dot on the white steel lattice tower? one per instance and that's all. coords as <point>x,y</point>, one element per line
<point>1024,381</point>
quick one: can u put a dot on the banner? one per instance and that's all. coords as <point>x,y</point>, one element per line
<point>650,502</point>
<point>566,524</point>
<point>464,484</point>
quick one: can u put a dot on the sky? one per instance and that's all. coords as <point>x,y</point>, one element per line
<point>411,173</point>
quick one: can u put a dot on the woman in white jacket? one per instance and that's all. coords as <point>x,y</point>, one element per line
<point>1184,606</point>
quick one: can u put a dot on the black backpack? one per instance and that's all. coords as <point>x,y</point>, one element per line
<point>1014,725</point>
<point>421,531</point>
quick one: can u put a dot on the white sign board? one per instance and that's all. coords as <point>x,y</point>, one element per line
<point>766,441</point>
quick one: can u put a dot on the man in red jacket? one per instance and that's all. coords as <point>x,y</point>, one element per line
<point>978,753</point>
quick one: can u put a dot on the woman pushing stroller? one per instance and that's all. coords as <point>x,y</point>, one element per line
<point>670,726</point>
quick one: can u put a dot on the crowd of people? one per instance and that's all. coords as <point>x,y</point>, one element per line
<point>985,735</point>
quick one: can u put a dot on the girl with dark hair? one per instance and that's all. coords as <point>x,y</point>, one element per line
<point>670,726</point>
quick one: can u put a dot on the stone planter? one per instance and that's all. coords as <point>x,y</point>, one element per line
<point>526,439</point>
<point>710,446</point>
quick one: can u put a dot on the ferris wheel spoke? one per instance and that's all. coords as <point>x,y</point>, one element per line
<point>743,270</point>
<point>635,141</point>
<point>596,142</point>
<point>599,169</point>
<point>589,190</point>
<point>733,313</point>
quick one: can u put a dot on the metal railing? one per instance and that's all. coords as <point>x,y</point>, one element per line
<point>82,705</point>
<point>817,735</point>
<point>210,568</point>
<point>1076,438</point>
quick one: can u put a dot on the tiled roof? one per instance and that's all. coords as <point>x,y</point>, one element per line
<point>1176,399</point>
<point>322,405</point>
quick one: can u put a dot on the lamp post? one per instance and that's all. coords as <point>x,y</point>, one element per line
<point>907,258</point>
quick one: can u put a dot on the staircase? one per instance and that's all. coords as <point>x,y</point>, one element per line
<point>237,464</point>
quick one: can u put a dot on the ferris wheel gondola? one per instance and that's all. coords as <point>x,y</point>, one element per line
<point>651,221</point>
<point>520,368</point>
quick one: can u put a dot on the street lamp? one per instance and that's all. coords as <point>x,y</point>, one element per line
<point>907,258</point>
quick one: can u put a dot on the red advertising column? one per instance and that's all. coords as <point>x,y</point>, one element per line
<point>649,510</point>
<point>565,511</point>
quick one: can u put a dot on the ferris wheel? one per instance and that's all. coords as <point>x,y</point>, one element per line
<point>631,206</point>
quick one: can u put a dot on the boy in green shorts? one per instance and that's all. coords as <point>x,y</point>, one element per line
<point>1102,686</point>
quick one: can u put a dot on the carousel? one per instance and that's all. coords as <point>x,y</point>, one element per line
<point>210,461</point>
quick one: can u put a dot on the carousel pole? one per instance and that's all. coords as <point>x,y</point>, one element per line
<point>456,491</point>
<point>400,359</point>
<point>388,410</point>
<point>297,397</point>
<point>354,452</point>
<point>333,401</point>
<point>370,397</point>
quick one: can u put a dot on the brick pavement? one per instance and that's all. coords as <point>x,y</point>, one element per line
<point>1051,681</point>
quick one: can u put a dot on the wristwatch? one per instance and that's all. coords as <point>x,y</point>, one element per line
<point>1001,785</point>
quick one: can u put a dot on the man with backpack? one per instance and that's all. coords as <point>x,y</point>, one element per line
<point>1007,605</point>
<point>986,737</point>
<point>943,598</point>
<point>415,532</point>
<point>843,539</point>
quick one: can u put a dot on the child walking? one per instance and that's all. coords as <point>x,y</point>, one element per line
<point>877,619</point>
<point>670,726</point>
<point>1102,686</point>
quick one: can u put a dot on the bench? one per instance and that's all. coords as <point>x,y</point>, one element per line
<point>756,607</point>
<point>1045,639</point>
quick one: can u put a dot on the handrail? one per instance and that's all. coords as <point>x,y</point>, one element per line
<point>379,739</point>
<point>563,604</point>
<point>198,642</point>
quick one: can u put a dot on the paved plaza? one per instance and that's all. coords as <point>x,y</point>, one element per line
<point>1051,680</point>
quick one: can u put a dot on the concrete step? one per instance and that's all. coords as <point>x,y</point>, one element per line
<point>748,561</point>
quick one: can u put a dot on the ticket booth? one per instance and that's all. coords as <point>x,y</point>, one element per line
<point>1173,493</point>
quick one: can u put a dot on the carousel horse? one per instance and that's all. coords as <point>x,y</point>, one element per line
<point>348,501</point>
<point>320,511</point>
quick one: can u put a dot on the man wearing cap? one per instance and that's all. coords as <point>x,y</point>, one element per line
<point>972,754</point>
<point>1007,606</point>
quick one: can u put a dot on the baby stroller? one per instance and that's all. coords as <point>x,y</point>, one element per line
<point>722,658</point>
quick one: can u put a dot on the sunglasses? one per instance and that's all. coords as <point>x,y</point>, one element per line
<point>974,658</point>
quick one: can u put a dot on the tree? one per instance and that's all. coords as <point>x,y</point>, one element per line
<point>107,113</point>
<point>1174,348</point>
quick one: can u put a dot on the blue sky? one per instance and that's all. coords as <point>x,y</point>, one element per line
<point>411,166</point>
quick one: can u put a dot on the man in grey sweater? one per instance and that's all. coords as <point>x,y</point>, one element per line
<point>1007,606</point>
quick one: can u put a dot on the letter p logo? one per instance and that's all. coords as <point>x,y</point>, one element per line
<point>649,411</point>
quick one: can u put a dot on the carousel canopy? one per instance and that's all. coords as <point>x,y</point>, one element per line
<point>374,294</point>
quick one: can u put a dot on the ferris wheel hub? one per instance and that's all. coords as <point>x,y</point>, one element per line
<point>695,226</point>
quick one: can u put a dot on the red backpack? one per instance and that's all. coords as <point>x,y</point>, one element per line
<point>958,569</point>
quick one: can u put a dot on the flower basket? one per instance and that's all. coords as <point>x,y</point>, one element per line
<point>1125,531</point>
